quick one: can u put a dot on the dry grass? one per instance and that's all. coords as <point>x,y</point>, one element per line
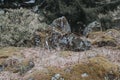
<point>96,69</point>
<point>8,52</point>
<point>20,24</point>
<point>102,39</point>
<point>71,65</point>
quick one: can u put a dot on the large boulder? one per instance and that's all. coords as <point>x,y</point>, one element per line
<point>2,12</point>
<point>94,26</point>
<point>81,44</point>
<point>58,36</point>
<point>62,24</point>
<point>69,42</point>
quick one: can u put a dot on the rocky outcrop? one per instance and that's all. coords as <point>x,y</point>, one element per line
<point>94,26</point>
<point>59,35</point>
<point>71,42</point>
<point>62,24</point>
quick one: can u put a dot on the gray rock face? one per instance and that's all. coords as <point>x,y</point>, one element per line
<point>2,12</point>
<point>92,26</point>
<point>69,42</point>
<point>57,77</point>
<point>1,68</point>
<point>78,44</point>
<point>54,40</point>
<point>60,37</point>
<point>37,40</point>
<point>35,9</point>
<point>31,64</point>
<point>62,24</point>
<point>31,79</point>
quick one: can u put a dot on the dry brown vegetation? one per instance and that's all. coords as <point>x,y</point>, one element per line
<point>95,64</point>
<point>98,63</point>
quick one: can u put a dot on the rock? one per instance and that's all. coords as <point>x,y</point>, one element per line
<point>36,40</point>
<point>92,27</point>
<point>57,77</point>
<point>62,24</point>
<point>31,79</point>
<point>1,68</point>
<point>84,75</point>
<point>68,42</point>
<point>30,2</point>
<point>31,64</point>
<point>74,42</point>
<point>53,40</point>
<point>35,9</point>
<point>2,12</point>
<point>81,45</point>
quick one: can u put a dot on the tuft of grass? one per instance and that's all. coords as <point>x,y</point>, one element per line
<point>102,39</point>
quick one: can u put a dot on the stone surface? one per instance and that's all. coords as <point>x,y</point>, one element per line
<point>94,26</point>
<point>62,24</point>
<point>2,12</point>
<point>57,77</point>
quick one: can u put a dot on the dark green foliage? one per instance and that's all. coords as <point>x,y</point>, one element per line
<point>78,12</point>
<point>71,9</point>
